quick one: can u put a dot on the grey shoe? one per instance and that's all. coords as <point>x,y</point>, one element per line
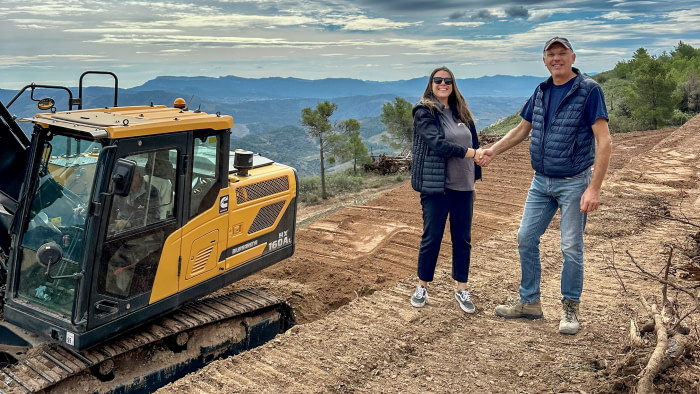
<point>465,301</point>
<point>519,309</point>
<point>569,317</point>
<point>420,297</point>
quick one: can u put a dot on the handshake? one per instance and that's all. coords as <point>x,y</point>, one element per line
<point>483,157</point>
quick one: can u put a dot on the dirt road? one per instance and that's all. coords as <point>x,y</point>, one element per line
<point>354,270</point>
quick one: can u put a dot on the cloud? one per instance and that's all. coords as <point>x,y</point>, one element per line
<point>362,23</point>
<point>616,15</point>
<point>517,12</point>
<point>689,17</point>
<point>483,14</point>
<point>462,24</point>
<point>457,15</point>
<point>47,10</point>
<point>131,30</point>
<point>175,51</point>
<point>44,60</point>
<point>403,38</point>
<point>406,7</point>
<point>539,15</point>
<point>236,21</point>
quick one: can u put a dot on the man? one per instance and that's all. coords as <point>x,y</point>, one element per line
<point>570,151</point>
<point>130,212</point>
<point>138,208</point>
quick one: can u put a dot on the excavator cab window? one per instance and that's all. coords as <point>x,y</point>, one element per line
<point>58,204</point>
<point>205,172</point>
<point>135,235</point>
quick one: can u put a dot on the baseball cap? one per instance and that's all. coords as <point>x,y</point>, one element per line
<point>561,40</point>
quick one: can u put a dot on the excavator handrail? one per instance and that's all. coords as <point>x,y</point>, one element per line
<point>71,101</point>
<point>80,85</point>
<point>34,86</point>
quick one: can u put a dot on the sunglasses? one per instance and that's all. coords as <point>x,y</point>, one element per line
<point>439,80</point>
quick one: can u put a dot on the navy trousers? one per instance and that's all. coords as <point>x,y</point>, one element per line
<point>459,207</point>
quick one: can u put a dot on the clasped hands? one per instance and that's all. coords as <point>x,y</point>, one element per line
<point>484,156</point>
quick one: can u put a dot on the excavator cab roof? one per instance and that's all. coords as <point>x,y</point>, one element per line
<point>123,122</point>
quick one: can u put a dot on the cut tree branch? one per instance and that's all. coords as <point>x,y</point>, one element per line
<point>646,381</point>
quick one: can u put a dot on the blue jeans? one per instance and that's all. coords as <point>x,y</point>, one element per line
<point>459,206</point>
<point>545,196</point>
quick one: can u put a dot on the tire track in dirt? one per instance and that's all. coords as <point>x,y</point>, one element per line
<point>364,336</point>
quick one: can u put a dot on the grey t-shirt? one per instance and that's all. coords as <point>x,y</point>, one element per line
<point>460,171</point>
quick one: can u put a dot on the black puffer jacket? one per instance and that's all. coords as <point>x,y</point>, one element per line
<point>431,150</point>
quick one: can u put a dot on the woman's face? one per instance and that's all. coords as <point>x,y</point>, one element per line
<point>442,90</point>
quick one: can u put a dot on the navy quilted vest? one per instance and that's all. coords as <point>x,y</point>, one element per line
<point>568,147</point>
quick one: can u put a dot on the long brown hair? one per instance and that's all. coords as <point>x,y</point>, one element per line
<point>455,101</point>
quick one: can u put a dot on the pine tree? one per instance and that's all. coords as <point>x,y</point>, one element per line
<point>355,146</point>
<point>398,119</point>
<point>651,95</point>
<point>318,125</point>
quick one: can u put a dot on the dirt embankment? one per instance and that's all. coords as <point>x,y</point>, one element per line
<point>354,270</point>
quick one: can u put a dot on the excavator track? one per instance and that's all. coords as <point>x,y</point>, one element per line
<point>210,328</point>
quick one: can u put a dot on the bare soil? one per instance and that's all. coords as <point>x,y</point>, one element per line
<point>353,273</point>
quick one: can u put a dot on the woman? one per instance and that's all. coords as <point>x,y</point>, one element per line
<point>444,146</point>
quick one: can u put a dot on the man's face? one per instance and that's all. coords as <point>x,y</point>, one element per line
<point>559,59</point>
<point>136,183</point>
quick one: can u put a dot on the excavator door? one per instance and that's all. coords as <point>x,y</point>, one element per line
<point>14,146</point>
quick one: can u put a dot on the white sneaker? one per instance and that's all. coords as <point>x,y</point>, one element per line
<point>465,301</point>
<point>420,297</point>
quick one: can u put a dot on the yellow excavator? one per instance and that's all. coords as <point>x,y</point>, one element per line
<point>121,229</point>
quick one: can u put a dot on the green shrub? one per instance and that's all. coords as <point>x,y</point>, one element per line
<point>342,183</point>
<point>624,124</point>
<point>309,184</point>
<point>679,118</point>
<point>310,198</point>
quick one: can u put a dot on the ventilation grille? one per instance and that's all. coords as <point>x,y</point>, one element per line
<point>266,217</point>
<point>200,261</point>
<point>262,189</point>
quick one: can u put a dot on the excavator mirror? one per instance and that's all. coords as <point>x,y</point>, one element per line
<point>46,103</point>
<point>122,176</point>
<point>49,253</point>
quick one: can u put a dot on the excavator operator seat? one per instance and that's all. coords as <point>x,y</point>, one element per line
<point>161,175</point>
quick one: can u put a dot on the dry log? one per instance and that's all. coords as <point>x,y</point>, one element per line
<point>666,353</point>
<point>678,346</point>
<point>653,367</point>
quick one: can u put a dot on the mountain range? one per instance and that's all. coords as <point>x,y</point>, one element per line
<point>267,111</point>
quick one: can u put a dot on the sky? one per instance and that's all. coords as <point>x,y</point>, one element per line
<point>53,42</point>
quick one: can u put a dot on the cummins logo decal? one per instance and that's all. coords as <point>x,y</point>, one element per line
<point>223,204</point>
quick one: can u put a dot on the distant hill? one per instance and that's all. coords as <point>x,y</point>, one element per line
<point>233,89</point>
<point>266,111</point>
